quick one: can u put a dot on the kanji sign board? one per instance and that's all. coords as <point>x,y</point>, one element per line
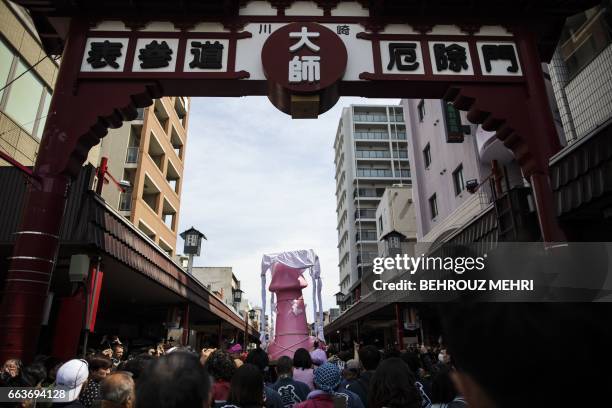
<point>301,55</point>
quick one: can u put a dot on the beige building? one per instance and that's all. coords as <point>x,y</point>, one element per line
<point>224,284</point>
<point>27,76</point>
<point>148,153</point>
<point>396,214</point>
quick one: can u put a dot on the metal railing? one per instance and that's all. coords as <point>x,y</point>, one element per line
<point>132,155</point>
<point>366,257</point>
<point>372,135</point>
<point>361,117</point>
<point>125,202</point>
<point>366,236</point>
<point>366,193</point>
<point>365,213</point>
<point>374,173</point>
<point>373,154</point>
<point>402,173</point>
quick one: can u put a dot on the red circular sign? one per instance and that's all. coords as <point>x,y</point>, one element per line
<point>304,57</point>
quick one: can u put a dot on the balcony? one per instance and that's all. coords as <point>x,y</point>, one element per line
<point>366,235</point>
<point>177,143</point>
<point>151,194</point>
<point>376,173</point>
<point>366,257</point>
<point>157,153</point>
<point>368,193</point>
<point>362,117</point>
<point>402,173</point>
<point>173,177</point>
<point>140,114</point>
<point>161,114</point>
<point>169,215</point>
<point>371,135</point>
<point>373,154</point>
<point>125,201</point>
<point>131,157</point>
<point>365,213</point>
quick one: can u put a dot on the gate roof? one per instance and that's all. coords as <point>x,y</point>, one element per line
<point>51,17</point>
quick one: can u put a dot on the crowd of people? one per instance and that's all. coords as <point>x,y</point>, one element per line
<point>228,377</point>
<point>498,356</point>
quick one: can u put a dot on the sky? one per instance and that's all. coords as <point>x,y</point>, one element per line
<point>256,182</point>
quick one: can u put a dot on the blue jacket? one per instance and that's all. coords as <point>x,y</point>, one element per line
<point>291,391</point>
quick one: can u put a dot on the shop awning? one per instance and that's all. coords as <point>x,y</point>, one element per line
<point>92,225</point>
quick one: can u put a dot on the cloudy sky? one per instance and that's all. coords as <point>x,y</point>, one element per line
<point>257,182</point>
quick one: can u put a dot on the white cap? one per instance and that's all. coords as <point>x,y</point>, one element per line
<point>71,376</point>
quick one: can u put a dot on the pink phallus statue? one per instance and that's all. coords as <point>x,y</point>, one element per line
<point>291,329</point>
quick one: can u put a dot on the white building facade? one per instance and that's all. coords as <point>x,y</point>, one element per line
<point>443,168</point>
<point>371,154</point>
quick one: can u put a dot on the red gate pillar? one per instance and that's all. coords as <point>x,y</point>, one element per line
<point>543,128</point>
<point>79,115</point>
<point>522,119</point>
<point>29,274</point>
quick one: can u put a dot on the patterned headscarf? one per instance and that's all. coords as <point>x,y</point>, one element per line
<point>327,377</point>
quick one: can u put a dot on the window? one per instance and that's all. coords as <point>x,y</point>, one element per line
<point>454,128</point>
<point>585,36</point>
<point>6,62</point>
<point>458,180</point>
<point>427,155</point>
<point>24,97</point>
<point>421,110</point>
<point>43,115</point>
<point>433,206</point>
<point>26,100</point>
<point>380,223</point>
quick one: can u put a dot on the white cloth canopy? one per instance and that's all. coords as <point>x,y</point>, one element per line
<point>301,259</point>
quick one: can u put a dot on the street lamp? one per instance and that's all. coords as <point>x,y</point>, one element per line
<point>237,294</point>
<point>393,241</point>
<point>339,298</point>
<point>252,314</point>
<point>192,246</point>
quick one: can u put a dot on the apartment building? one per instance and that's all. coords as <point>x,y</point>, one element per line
<point>581,76</point>
<point>456,168</point>
<point>580,72</point>
<point>371,154</point>
<point>27,78</point>
<point>440,169</point>
<point>149,153</point>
